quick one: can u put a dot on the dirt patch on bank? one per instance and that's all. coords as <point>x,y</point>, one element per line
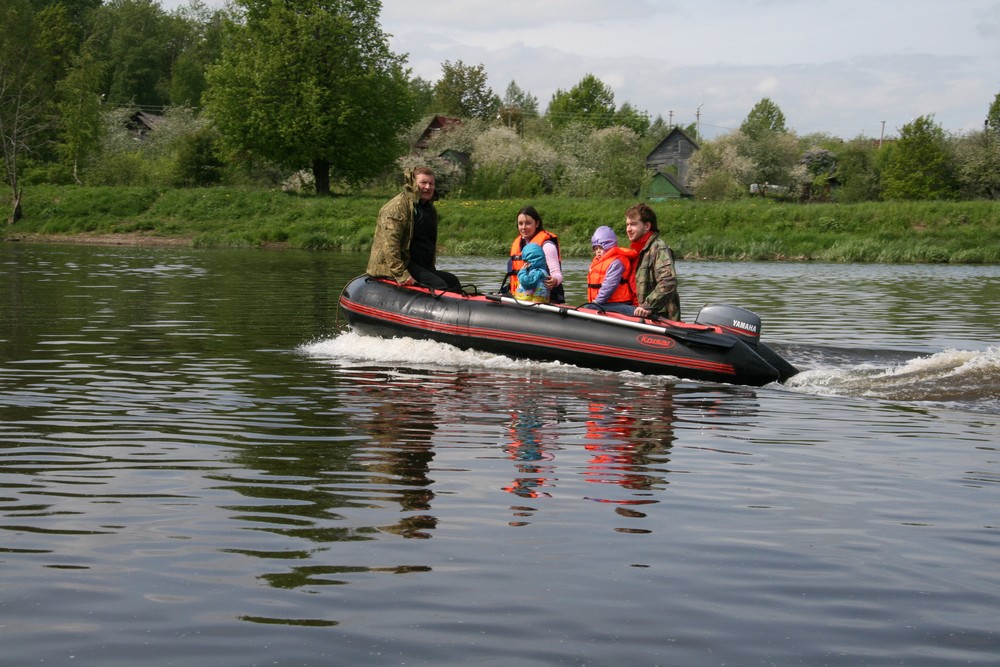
<point>133,239</point>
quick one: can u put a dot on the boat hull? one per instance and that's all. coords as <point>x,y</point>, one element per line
<point>504,326</point>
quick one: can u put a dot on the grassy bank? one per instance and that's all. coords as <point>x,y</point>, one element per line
<point>891,232</point>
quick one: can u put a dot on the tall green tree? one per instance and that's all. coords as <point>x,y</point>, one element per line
<point>630,117</point>
<point>993,115</point>
<point>136,40</point>
<point>24,94</point>
<point>422,92</point>
<point>59,37</point>
<point>857,171</point>
<point>515,96</point>
<point>921,165</point>
<point>766,116</point>
<point>463,91</point>
<point>78,101</point>
<point>78,9</point>
<point>773,151</point>
<point>775,157</point>
<point>591,101</point>
<point>312,84</point>
<point>198,31</point>
<point>517,106</point>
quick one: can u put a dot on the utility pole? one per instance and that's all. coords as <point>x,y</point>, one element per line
<point>697,122</point>
<point>670,119</point>
<point>882,135</point>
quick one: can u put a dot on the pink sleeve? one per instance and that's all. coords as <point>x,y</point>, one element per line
<point>552,260</point>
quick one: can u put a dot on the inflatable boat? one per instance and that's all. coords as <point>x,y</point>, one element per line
<point>722,345</point>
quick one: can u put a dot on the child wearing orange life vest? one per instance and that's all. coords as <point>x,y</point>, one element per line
<point>531,277</point>
<point>608,281</point>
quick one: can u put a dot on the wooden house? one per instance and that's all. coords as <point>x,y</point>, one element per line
<point>437,125</point>
<point>672,155</point>
<point>141,123</point>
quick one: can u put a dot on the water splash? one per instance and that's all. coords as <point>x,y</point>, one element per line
<point>949,377</point>
<point>352,347</point>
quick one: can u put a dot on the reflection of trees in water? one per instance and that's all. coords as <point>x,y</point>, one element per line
<point>316,489</point>
<point>331,575</point>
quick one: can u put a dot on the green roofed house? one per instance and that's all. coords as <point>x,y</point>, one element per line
<point>665,185</point>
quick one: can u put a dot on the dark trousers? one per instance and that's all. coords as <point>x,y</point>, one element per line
<point>434,278</point>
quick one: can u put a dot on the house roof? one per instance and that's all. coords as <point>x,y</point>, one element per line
<point>144,120</point>
<point>675,134</point>
<point>436,125</point>
<point>670,178</point>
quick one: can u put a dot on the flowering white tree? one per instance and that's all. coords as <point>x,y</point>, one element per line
<point>604,162</point>
<point>511,165</point>
<point>719,170</point>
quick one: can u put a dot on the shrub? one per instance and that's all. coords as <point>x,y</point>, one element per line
<point>198,163</point>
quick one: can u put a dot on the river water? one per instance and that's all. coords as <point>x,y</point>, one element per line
<point>199,465</point>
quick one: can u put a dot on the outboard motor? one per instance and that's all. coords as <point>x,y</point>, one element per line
<point>740,322</point>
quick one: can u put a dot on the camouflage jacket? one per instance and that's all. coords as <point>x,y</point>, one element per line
<point>656,279</point>
<point>390,251</point>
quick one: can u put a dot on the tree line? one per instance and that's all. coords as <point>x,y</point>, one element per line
<point>307,94</point>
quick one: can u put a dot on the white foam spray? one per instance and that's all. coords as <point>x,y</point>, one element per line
<point>950,376</point>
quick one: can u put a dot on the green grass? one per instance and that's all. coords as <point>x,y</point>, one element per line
<point>753,229</point>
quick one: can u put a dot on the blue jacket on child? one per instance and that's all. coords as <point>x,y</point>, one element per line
<point>531,278</point>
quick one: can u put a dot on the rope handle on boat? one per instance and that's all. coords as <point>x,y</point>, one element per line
<point>466,290</point>
<point>701,335</point>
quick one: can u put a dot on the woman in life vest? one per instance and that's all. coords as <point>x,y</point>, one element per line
<point>609,280</point>
<point>529,230</point>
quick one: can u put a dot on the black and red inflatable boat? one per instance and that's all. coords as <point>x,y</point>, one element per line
<point>722,345</point>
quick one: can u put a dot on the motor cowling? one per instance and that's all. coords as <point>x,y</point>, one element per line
<point>738,321</point>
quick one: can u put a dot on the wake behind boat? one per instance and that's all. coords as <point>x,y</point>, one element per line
<point>723,345</point>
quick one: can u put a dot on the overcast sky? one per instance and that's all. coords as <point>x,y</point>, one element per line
<point>841,67</point>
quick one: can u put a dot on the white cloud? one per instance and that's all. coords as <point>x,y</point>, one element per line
<point>841,68</point>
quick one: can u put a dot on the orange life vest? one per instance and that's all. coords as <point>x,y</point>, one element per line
<point>599,268</point>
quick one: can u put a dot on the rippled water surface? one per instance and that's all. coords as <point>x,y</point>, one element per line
<point>199,465</point>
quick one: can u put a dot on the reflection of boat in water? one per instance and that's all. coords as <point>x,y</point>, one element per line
<point>723,345</point>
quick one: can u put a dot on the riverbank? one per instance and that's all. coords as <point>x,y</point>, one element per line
<point>130,239</point>
<point>753,229</point>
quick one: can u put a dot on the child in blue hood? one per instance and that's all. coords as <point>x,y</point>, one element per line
<point>531,277</point>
